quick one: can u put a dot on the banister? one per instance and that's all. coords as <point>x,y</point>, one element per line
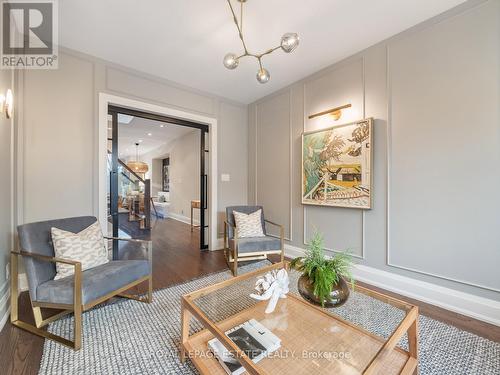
<point>122,163</point>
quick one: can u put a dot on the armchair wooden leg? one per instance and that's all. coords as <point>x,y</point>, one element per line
<point>77,295</point>
<point>150,289</point>
<point>282,240</point>
<point>16,322</point>
<point>235,265</point>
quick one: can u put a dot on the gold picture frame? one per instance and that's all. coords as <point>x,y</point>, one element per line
<point>337,166</point>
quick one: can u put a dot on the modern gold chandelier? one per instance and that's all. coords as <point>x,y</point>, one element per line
<point>289,43</point>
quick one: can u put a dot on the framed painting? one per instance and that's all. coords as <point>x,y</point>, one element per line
<point>336,166</point>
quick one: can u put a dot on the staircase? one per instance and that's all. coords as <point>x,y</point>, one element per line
<point>138,204</point>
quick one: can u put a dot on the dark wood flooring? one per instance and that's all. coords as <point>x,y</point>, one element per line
<point>176,259</point>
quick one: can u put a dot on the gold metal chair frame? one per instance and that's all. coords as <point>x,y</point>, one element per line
<point>76,307</point>
<point>232,257</point>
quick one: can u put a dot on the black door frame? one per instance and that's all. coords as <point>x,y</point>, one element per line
<point>114,111</point>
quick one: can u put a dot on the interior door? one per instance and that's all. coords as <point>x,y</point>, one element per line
<point>113,179</point>
<point>204,164</point>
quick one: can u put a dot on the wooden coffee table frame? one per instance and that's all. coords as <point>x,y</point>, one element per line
<point>189,310</point>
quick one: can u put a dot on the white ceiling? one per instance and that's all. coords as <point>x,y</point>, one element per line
<point>185,40</point>
<point>149,134</point>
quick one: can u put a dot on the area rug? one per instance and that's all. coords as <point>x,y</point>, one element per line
<point>136,338</point>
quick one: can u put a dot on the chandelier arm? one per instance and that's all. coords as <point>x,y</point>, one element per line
<point>240,33</point>
<point>269,51</point>
<point>241,16</point>
<point>260,62</point>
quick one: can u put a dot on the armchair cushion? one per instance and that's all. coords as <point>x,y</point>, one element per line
<point>256,244</point>
<point>243,209</point>
<point>36,238</point>
<point>249,225</point>
<point>96,282</point>
<point>86,247</point>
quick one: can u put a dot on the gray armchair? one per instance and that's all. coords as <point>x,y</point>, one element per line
<point>251,248</point>
<point>72,294</point>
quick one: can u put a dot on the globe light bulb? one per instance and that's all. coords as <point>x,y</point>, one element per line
<point>231,61</point>
<point>289,42</point>
<point>263,75</point>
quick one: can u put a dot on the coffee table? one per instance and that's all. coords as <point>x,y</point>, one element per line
<point>361,337</point>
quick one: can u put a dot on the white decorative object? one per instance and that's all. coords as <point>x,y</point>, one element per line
<point>273,286</point>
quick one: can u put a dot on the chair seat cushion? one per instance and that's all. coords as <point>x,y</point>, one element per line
<point>96,282</point>
<point>256,244</point>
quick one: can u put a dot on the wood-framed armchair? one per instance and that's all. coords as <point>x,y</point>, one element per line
<point>72,294</point>
<point>249,248</point>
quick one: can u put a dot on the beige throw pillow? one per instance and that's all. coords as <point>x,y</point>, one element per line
<point>87,247</point>
<point>249,225</point>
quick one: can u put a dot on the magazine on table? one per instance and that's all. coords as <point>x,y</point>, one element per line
<point>255,340</point>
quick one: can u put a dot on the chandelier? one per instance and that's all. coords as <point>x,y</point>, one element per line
<point>137,166</point>
<point>289,43</point>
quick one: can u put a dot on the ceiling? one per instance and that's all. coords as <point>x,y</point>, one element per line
<point>148,133</point>
<point>185,41</point>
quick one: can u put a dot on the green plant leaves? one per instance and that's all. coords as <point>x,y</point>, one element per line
<point>323,272</point>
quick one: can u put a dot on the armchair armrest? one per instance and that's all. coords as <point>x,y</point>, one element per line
<point>282,237</point>
<point>46,258</point>
<point>127,239</point>
<point>77,287</point>
<point>282,228</point>
<point>235,229</point>
<point>229,224</point>
<point>273,223</point>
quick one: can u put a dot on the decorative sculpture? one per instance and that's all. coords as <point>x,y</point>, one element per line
<point>273,286</point>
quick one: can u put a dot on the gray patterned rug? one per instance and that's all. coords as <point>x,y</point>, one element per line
<point>137,338</point>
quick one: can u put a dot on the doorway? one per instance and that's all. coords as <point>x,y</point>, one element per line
<point>140,206</point>
<point>103,180</point>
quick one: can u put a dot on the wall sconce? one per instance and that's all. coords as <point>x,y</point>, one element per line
<point>336,113</point>
<point>7,103</point>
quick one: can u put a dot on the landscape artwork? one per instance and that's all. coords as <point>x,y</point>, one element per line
<point>336,166</point>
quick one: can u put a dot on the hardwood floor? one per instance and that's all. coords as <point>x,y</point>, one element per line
<point>176,259</point>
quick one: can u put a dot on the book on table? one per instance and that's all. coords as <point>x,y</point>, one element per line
<point>255,340</point>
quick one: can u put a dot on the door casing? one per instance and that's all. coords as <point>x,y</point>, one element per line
<point>106,100</point>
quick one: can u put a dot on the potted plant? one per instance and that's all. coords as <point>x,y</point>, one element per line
<point>323,279</point>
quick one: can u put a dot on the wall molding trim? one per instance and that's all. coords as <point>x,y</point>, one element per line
<point>389,157</point>
<point>288,91</point>
<point>480,308</point>
<point>305,120</point>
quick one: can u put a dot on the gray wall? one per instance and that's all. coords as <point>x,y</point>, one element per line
<point>6,191</point>
<point>433,92</point>
<point>185,174</point>
<point>58,132</point>
<point>156,176</point>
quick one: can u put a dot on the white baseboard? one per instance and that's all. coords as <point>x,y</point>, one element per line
<point>484,309</point>
<point>220,243</point>
<point>182,218</point>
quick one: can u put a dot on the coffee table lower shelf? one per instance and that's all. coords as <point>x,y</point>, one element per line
<point>307,333</point>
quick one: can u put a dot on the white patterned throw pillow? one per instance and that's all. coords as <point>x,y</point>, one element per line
<point>86,247</point>
<point>249,225</point>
